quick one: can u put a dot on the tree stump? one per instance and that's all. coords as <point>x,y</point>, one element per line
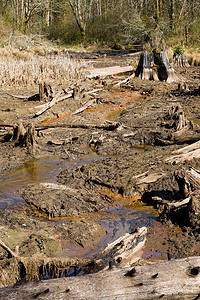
<point>177,121</point>
<point>18,133</point>
<point>30,138</point>
<point>155,66</point>
<point>41,91</point>
<point>181,61</point>
<point>188,181</point>
<point>24,136</point>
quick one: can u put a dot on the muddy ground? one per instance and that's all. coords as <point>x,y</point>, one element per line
<point>127,166</point>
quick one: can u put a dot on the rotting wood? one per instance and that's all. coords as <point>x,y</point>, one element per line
<point>175,279</point>
<point>6,124</point>
<point>58,97</point>
<point>38,127</point>
<point>176,119</point>
<point>175,135</point>
<point>63,141</point>
<point>182,86</point>
<point>18,133</point>
<point>162,142</point>
<point>188,181</point>
<point>33,97</point>
<point>187,149</point>
<point>148,178</point>
<point>125,80</point>
<point>41,91</point>
<point>124,251</point>
<point>30,138</point>
<point>84,107</point>
<point>175,159</point>
<point>178,204</point>
<point>49,90</point>
<point>94,91</point>
<point>23,135</point>
<point>110,126</point>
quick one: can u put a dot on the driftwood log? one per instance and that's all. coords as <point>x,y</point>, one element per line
<point>124,251</point>
<point>175,279</point>
<point>185,153</point>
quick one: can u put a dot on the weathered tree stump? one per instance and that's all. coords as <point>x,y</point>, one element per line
<point>18,133</point>
<point>24,136</point>
<point>176,120</point>
<point>188,181</point>
<point>155,66</point>
<point>186,210</point>
<point>181,61</point>
<point>41,91</point>
<point>177,115</point>
<point>49,90</point>
<point>30,138</point>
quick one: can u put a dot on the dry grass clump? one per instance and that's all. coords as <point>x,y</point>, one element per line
<point>24,68</point>
<point>36,268</point>
<point>193,57</point>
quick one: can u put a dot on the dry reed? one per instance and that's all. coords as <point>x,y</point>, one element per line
<point>26,68</point>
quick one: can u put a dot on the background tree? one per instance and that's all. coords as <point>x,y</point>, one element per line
<point>108,21</point>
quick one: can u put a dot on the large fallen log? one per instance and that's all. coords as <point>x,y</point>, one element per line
<point>175,279</point>
<point>102,72</point>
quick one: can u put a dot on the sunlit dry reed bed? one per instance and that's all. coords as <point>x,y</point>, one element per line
<point>30,69</point>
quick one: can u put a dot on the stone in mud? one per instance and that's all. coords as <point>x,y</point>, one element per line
<point>60,201</point>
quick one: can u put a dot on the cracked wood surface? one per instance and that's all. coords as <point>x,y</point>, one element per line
<point>175,279</point>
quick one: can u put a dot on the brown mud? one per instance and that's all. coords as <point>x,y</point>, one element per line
<point>105,178</point>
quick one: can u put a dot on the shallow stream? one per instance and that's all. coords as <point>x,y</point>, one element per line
<point>117,220</point>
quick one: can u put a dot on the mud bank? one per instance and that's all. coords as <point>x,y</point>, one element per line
<point>138,127</point>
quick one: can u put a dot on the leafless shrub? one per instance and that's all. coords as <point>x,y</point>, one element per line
<point>25,68</point>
